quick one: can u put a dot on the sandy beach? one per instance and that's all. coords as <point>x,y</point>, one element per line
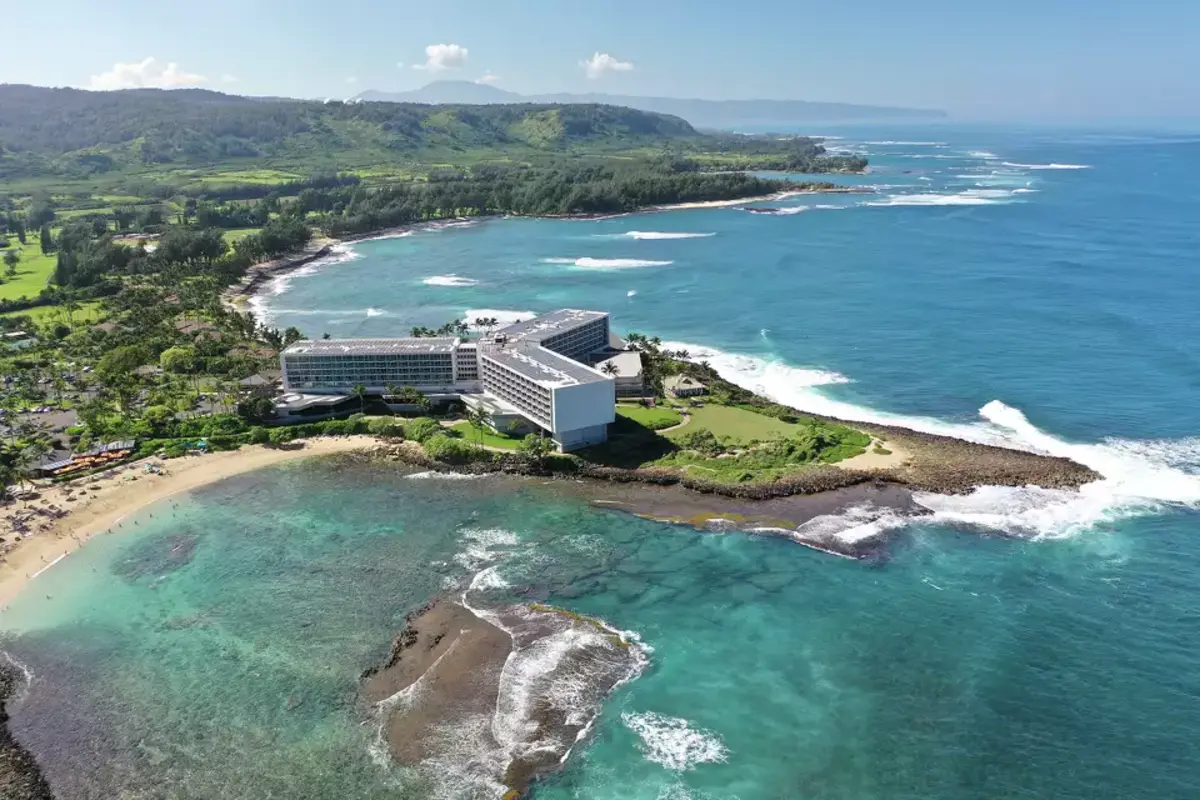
<point>95,504</point>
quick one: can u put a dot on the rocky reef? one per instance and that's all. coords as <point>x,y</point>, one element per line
<point>20,778</point>
<point>491,700</point>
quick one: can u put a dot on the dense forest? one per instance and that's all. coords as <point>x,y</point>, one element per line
<point>78,134</point>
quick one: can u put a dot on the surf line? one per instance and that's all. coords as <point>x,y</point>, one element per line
<point>48,566</point>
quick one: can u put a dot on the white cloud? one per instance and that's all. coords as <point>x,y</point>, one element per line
<point>227,78</point>
<point>487,78</point>
<point>602,63</point>
<point>441,57</point>
<point>352,79</point>
<point>149,73</point>
<point>399,65</point>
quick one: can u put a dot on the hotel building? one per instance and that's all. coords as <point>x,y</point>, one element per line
<point>535,371</point>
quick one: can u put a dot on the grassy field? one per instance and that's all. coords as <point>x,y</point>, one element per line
<point>653,418</point>
<point>33,273</point>
<point>87,312</point>
<point>736,424</point>
<point>233,234</point>
<point>490,437</point>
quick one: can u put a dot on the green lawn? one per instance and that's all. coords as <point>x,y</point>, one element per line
<point>737,424</point>
<point>33,273</point>
<point>87,312</point>
<point>490,437</point>
<point>233,234</point>
<point>653,418</point>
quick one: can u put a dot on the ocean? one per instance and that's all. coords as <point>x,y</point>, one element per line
<point>1028,287</point>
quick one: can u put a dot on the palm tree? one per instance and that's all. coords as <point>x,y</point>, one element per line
<point>609,368</point>
<point>390,390</point>
<point>360,392</point>
<point>478,418</point>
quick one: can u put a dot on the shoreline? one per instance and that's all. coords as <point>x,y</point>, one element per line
<point>128,489</point>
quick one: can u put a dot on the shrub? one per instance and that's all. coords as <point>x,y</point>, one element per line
<point>703,441</point>
<point>280,435</point>
<point>357,423</point>
<point>422,428</point>
<point>446,449</point>
<point>382,426</point>
<point>334,427</point>
<point>259,435</point>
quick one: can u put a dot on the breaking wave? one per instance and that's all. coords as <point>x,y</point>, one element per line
<point>429,475</point>
<point>653,235</point>
<point>1047,166</point>
<point>556,677</point>
<point>971,197</point>
<point>607,263</point>
<point>1139,477</point>
<point>909,144</point>
<point>449,280</point>
<point>788,211</point>
<point>673,742</point>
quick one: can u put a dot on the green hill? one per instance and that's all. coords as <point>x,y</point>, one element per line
<point>77,133</point>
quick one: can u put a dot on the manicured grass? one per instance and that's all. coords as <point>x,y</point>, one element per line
<point>233,234</point>
<point>86,313</point>
<point>490,437</point>
<point>736,424</point>
<point>653,418</point>
<point>33,273</point>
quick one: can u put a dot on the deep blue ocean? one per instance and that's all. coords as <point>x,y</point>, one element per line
<point>1031,287</point>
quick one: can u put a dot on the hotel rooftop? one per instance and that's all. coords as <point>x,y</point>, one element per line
<point>542,365</point>
<point>560,321</point>
<point>372,347</point>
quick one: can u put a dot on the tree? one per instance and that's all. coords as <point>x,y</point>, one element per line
<point>536,447</point>
<point>11,259</point>
<point>478,418</point>
<point>178,360</point>
<point>40,213</point>
<point>47,240</point>
<point>360,392</point>
<point>610,369</point>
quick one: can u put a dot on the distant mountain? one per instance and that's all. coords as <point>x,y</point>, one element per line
<point>704,113</point>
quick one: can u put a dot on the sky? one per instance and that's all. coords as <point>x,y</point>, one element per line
<point>1023,60</point>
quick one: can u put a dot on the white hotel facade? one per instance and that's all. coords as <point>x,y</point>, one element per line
<point>537,371</point>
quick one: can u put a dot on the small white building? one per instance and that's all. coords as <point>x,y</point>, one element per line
<point>684,386</point>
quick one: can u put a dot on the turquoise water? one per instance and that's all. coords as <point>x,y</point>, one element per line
<point>1017,643</point>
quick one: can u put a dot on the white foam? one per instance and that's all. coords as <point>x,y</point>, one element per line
<point>449,280</point>
<point>673,742</point>
<point>852,526</point>
<point>631,293</point>
<point>971,197</point>
<point>983,154</point>
<point>441,476</point>
<point>375,312</point>
<point>340,253</point>
<point>909,144</point>
<point>482,546</point>
<point>392,235</point>
<point>1047,166</point>
<point>652,235</point>
<point>1139,477</point>
<point>607,263</point>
